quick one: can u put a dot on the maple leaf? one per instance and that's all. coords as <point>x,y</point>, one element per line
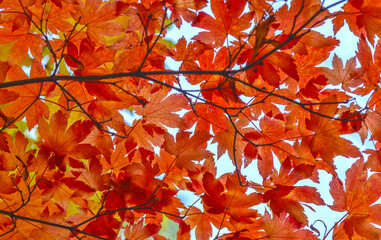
<point>16,156</point>
<point>259,7</point>
<point>207,116</point>
<point>188,55</point>
<point>228,20</point>
<point>309,58</point>
<point>285,196</point>
<point>355,199</point>
<point>183,9</point>
<point>366,19</point>
<point>98,18</point>
<point>316,40</point>
<point>61,187</point>
<point>93,175</point>
<point>234,202</point>
<point>303,155</point>
<point>201,222</point>
<point>87,61</point>
<point>374,158</point>
<point>348,76</point>
<point>280,227</point>
<point>215,86</point>
<point>144,135</point>
<point>25,42</point>
<point>151,12</point>
<point>229,140</point>
<point>173,175</point>
<point>102,141</point>
<point>56,16</point>
<point>370,77</point>
<point>62,142</point>
<point>29,102</point>
<point>326,139</point>
<point>269,141</point>
<point>138,232</point>
<point>298,15</point>
<point>269,67</point>
<point>372,122</point>
<point>196,184</point>
<point>187,148</point>
<point>117,160</point>
<point>160,110</point>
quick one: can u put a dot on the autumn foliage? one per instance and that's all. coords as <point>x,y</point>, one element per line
<point>108,126</point>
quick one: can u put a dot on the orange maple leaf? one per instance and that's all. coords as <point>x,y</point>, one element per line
<point>234,202</point>
<point>140,232</point>
<point>362,17</point>
<point>97,18</point>
<point>284,196</point>
<point>118,159</point>
<point>283,227</point>
<point>348,76</point>
<point>228,20</point>
<point>326,140</point>
<point>374,158</point>
<point>29,97</point>
<point>161,108</point>
<point>207,116</point>
<point>187,148</point>
<point>373,123</point>
<point>269,141</point>
<point>62,142</point>
<point>183,9</point>
<point>200,221</point>
<point>25,42</point>
<point>356,198</point>
<point>229,140</point>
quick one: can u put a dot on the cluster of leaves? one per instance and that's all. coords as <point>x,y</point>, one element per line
<point>248,83</point>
